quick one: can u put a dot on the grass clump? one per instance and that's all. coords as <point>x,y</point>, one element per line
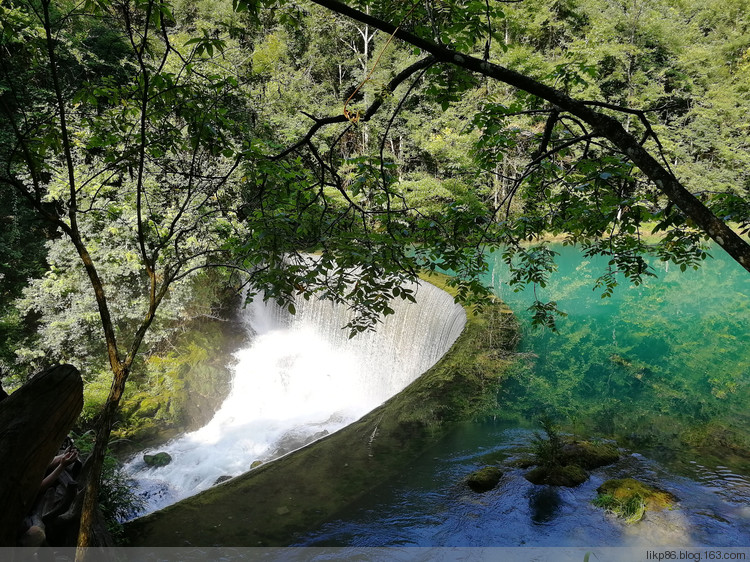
<point>631,509</point>
<point>562,462</point>
<point>548,449</point>
<point>630,499</point>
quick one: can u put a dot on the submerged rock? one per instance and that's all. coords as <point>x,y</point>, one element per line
<point>222,478</point>
<point>571,475</point>
<point>589,455</point>
<point>568,464</point>
<point>157,460</point>
<point>484,479</point>
<point>256,464</point>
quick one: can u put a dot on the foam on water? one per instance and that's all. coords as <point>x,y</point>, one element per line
<point>299,379</point>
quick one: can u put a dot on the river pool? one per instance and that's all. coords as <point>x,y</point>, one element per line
<point>662,368</point>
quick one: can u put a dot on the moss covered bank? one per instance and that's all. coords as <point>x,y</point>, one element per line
<point>276,502</point>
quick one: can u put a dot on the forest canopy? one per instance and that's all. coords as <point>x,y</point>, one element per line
<point>154,153</point>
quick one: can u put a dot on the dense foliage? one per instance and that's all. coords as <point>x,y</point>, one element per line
<point>149,149</point>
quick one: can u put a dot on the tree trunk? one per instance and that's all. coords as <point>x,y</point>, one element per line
<point>34,421</point>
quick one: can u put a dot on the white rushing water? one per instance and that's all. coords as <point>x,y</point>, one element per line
<point>300,378</point>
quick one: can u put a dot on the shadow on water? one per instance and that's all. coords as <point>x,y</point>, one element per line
<point>545,504</point>
<point>430,504</point>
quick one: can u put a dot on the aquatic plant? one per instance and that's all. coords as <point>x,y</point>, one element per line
<point>553,467</point>
<point>629,498</point>
<point>561,461</point>
<point>631,509</point>
<point>547,450</point>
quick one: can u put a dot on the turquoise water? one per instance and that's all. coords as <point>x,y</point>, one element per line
<point>662,368</point>
<point>666,363</point>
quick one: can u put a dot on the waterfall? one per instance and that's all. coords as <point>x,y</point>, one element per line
<point>299,379</point>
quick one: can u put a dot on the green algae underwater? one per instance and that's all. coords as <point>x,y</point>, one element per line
<point>664,366</point>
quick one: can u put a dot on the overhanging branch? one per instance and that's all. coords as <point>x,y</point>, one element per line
<point>601,124</point>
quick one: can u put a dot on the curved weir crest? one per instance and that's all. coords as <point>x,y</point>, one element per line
<point>300,378</point>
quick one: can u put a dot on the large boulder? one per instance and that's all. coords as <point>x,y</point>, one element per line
<point>589,455</point>
<point>34,421</point>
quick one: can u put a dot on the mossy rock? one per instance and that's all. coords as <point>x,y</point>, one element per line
<point>569,465</point>
<point>570,475</point>
<point>157,460</point>
<point>589,455</point>
<point>622,489</point>
<point>484,479</point>
<point>148,408</point>
<point>180,389</point>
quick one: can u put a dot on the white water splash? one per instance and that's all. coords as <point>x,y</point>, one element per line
<point>299,379</point>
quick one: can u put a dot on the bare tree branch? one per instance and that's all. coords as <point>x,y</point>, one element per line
<point>372,110</point>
